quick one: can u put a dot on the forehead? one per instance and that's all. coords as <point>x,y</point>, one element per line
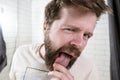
<point>76,17</point>
<point>74,11</point>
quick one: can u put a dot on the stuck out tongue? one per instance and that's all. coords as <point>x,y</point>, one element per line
<point>63,60</point>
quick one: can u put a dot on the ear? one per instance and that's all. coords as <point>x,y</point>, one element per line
<point>44,26</point>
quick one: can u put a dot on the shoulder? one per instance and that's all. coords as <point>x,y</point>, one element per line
<point>84,62</point>
<point>26,54</point>
<point>26,49</point>
<point>84,68</point>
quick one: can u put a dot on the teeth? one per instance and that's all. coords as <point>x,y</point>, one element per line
<point>67,55</point>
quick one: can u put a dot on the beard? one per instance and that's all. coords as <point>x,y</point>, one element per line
<point>52,53</point>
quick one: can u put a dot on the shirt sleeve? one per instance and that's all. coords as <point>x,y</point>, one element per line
<point>13,65</point>
<point>93,75</point>
<point>17,65</point>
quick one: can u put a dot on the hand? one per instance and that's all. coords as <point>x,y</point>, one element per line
<point>60,73</point>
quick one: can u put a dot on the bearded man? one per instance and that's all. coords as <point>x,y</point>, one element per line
<point>68,25</point>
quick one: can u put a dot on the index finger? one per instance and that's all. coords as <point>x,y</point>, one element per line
<point>62,69</point>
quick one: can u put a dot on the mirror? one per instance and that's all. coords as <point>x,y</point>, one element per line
<point>22,23</point>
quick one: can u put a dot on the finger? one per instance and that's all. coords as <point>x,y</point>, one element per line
<point>62,69</point>
<point>57,75</point>
<point>53,78</point>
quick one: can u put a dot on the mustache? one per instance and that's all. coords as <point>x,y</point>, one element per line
<point>70,49</point>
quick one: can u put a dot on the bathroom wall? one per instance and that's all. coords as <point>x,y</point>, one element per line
<point>16,21</point>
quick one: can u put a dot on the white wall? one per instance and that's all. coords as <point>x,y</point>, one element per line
<point>24,33</point>
<point>37,20</point>
<point>97,48</point>
<point>15,18</point>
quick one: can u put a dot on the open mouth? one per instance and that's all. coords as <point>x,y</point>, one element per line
<point>66,55</point>
<point>63,59</point>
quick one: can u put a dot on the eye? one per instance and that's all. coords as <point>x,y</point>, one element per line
<point>69,30</point>
<point>87,36</point>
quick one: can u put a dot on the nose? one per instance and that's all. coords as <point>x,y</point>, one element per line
<point>78,42</point>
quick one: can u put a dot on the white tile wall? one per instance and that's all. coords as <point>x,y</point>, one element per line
<point>37,20</point>
<point>16,20</point>
<point>97,48</point>
<point>24,11</point>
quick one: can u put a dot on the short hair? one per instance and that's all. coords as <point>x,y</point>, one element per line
<point>53,7</point>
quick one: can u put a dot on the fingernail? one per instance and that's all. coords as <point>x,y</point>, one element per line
<point>50,73</point>
<point>54,64</point>
<point>53,79</point>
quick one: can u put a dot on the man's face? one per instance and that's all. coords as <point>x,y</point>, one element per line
<point>68,36</point>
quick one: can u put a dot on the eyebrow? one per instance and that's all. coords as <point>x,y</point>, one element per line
<point>74,27</point>
<point>78,29</point>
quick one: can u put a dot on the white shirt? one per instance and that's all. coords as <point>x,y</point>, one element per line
<point>27,65</point>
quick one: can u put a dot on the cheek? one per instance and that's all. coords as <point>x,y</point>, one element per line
<point>59,39</point>
<point>84,45</point>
